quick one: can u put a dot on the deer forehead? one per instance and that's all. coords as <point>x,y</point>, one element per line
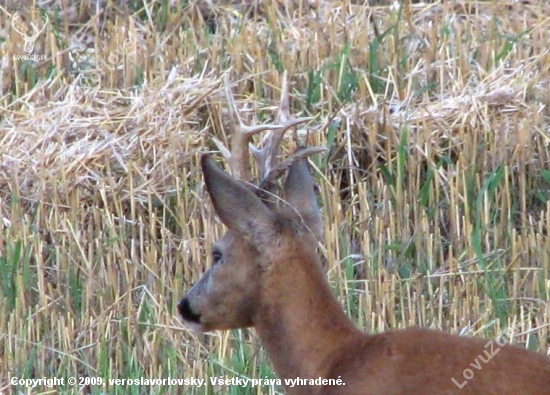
<point>286,238</point>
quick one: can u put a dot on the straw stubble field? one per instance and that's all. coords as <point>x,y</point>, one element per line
<point>434,187</point>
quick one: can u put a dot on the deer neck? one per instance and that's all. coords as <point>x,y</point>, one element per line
<point>299,321</point>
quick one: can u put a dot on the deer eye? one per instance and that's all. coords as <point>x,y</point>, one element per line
<point>217,256</point>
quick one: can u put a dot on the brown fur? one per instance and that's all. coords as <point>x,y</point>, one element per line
<point>270,277</point>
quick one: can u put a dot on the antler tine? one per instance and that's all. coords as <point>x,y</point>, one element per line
<point>15,21</point>
<point>266,157</point>
<point>238,157</point>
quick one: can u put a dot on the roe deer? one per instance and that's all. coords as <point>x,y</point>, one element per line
<point>266,274</point>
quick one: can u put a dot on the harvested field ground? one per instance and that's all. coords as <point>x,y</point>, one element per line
<point>435,186</point>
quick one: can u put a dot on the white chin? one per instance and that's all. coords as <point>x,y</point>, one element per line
<point>194,326</point>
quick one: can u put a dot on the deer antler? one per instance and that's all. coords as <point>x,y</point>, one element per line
<point>266,157</point>
<point>37,31</point>
<point>29,39</point>
<point>16,20</point>
<point>238,156</point>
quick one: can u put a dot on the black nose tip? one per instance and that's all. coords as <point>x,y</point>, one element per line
<point>185,310</point>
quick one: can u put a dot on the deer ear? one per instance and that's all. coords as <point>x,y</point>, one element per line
<point>299,193</point>
<point>236,205</point>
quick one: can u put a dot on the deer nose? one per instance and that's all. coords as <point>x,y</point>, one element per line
<point>185,310</point>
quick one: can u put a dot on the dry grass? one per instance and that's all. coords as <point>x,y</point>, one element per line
<point>435,185</point>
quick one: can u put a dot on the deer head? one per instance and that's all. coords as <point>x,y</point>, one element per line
<point>30,40</point>
<point>259,234</point>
